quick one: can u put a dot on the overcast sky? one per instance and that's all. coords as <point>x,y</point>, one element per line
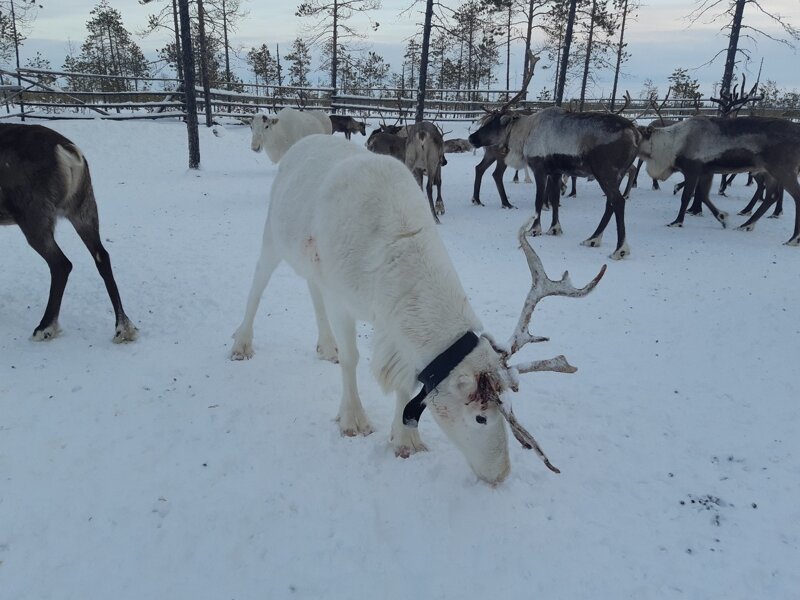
<point>660,39</point>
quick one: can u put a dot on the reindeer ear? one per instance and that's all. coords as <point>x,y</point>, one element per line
<point>648,131</point>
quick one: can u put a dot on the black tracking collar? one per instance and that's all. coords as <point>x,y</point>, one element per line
<point>436,372</point>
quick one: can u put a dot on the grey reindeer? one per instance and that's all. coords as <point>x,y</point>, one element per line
<point>43,175</point>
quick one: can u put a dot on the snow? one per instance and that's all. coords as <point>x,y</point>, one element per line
<point>161,469</point>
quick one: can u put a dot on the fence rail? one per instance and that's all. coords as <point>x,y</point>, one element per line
<point>40,94</point>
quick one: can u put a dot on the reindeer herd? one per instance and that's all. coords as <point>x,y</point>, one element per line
<point>369,248</point>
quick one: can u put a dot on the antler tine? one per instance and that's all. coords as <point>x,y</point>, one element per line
<point>526,79</point>
<point>523,435</point>
<point>627,97</point>
<point>542,287</point>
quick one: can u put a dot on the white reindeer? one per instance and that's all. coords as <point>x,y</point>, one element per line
<point>277,134</point>
<point>369,250</point>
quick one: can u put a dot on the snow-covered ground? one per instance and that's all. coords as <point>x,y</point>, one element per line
<point>161,469</point>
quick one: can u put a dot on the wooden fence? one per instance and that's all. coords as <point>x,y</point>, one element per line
<point>40,94</point>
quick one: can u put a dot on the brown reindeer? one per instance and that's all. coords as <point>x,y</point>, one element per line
<point>347,125</point>
<point>422,150</point>
<point>43,175</point>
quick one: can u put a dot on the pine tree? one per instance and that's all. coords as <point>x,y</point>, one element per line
<point>109,49</point>
<point>263,65</point>
<point>299,63</point>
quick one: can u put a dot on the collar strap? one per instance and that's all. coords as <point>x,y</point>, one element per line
<point>436,372</point>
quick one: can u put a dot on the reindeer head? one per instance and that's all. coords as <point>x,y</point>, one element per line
<point>472,402</point>
<point>466,405</point>
<point>259,125</point>
<point>493,127</point>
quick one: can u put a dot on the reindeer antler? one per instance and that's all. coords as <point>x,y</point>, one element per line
<point>731,103</point>
<point>658,107</point>
<point>541,287</point>
<point>526,80</point>
<point>627,97</point>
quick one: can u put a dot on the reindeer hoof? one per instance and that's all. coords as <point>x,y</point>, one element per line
<point>744,213</point>
<point>795,241</point>
<point>722,217</point>
<point>46,333</point>
<point>675,224</point>
<point>328,352</point>
<point>440,208</point>
<point>125,332</point>
<point>776,215</point>
<point>621,252</point>
<point>477,202</point>
<point>555,230</point>
<point>746,227</point>
<point>407,442</point>
<point>351,425</point>
<point>593,242</point>
<point>242,350</point>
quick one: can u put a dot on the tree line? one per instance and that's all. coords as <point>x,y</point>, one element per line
<point>466,46</point>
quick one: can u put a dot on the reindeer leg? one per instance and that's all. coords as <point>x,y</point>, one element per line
<point>405,440</point>
<point>778,203</point>
<point>480,169</point>
<point>791,185</point>
<point>616,202</point>
<point>89,232</point>
<point>552,193</point>
<point>497,175</point>
<point>40,237</point>
<point>515,179</point>
<point>596,238</point>
<point>656,186</point>
<point>702,191</point>
<point>635,182</point>
<point>701,194</point>
<point>574,191</point>
<point>758,195</point>
<point>438,206</point>
<point>689,185</point>
<point>541,181</point>
<point>352,418</point>
<point>267,263</point>
<point>326,346</point>
<point>750,224</point>
<point>631,172</point>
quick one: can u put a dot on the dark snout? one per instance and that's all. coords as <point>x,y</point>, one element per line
<point>475,140</point>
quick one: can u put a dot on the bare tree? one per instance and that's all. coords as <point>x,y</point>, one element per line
<point>564,60</point>
<point>732,14</point>
<point>623,9</point>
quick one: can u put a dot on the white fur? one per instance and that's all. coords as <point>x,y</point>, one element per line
<point>71,163</point>
<point>370,251</point>
<point>276,135</point>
